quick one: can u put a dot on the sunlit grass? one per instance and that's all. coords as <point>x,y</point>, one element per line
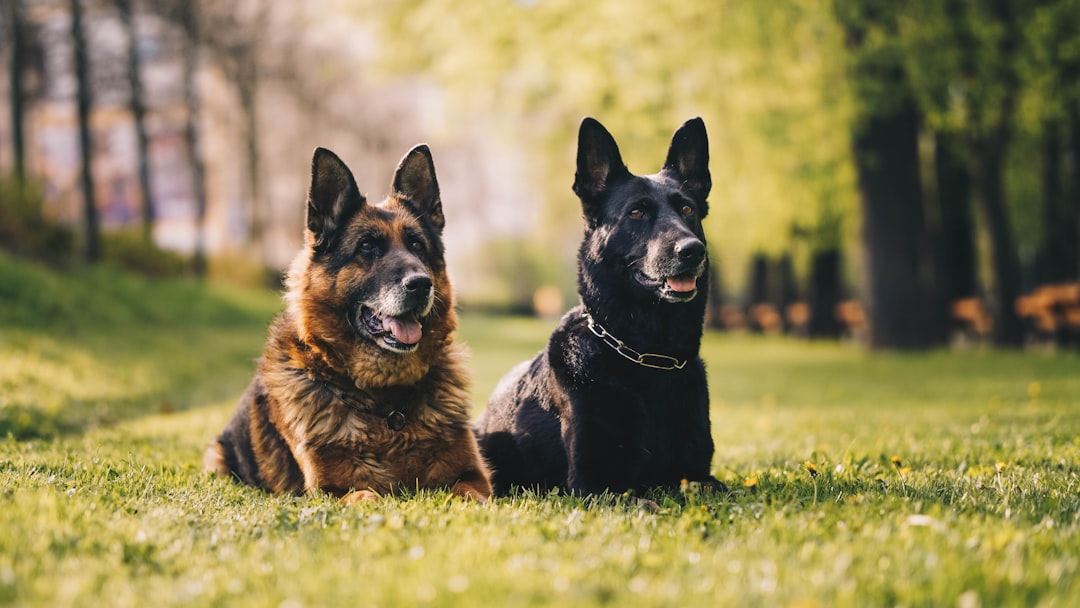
<point>934,479</point>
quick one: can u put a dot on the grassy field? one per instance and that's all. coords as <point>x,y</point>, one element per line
<point>936,479</point>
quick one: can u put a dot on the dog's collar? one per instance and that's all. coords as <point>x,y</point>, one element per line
<point>652,360</point>
<point>395,420</point>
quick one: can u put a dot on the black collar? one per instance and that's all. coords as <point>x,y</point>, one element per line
<point>395,420</point>
<point>652,360</point>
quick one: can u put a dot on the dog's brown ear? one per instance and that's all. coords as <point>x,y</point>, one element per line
<point>688,161</point>
<point>599,163</point>
<point>415,185</point>
<point>332,200</point>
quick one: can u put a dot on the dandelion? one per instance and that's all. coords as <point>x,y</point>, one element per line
<point>811,468</point>
<point>901,470</point>
<point>1034,390</point>
<point>751,483</point>
<point>1000,466</point>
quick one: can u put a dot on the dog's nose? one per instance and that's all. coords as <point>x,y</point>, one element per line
<point>417,283</point>
<point>691,250</point>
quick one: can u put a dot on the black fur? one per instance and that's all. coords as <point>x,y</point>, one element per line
<point>580,416</point>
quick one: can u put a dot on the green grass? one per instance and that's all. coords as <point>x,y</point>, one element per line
<point>981,507</point>
<point>97,346</point>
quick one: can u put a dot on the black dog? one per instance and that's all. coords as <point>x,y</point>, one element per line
<point>618,400</point>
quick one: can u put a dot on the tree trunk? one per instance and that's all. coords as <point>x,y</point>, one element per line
<point>787,292</point>
<point>957,268</point>
<point>887,162</point>
<point>713,317</point>
<point>192,134</point>
<point>83,101</point>
<point>1050,257</point>
<point>989,177</point>
<point>246,84</point>
<point>825,294</point>
<point>138,115</point>
<point>16,97</point>
<point>989,148</point>
<point>758,292</point>
<point>1074,196</point>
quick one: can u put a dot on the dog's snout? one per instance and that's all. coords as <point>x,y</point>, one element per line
<point>691,250</point>
<point>417,283</point>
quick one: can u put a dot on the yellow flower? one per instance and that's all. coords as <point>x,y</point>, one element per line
<point>810,468</point>
<point>751,482</point>
<point>1034,389</point>
<point>895,460</point>
<point>1000,466</point>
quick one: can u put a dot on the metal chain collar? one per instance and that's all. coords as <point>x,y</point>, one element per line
<point>652,360</point>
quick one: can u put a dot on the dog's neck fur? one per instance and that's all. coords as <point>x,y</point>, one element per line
<point>645,324</point>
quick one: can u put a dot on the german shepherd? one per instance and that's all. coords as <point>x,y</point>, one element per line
<point>360,390</point>
<point>618,400</point>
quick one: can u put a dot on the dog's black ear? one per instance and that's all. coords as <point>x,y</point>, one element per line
<point>599,163</point>
<point>688,160</point>
<point>332,200</point>
<point>415,185</point>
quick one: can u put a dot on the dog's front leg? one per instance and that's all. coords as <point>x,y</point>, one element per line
<point>461,468</point>
<point>599,457</point>
<point>339,472</point>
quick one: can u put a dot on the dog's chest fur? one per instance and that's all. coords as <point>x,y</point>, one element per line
<point>319,417</point>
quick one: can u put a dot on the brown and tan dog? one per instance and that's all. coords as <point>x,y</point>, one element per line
<point>360,390</point>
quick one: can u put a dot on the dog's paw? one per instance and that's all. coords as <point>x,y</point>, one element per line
<point>714,485</point>
<point>474,491</point>
<point>649,505</point>
<point>358,496</point>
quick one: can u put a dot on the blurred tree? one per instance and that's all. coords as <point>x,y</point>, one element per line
<point>189,20</point>
<point>92,234</point>
<point>232,33</point>
<point>885,143</point>
<point>957,268</point>
<point>16,96</point>
<point>762,75</point>
<point>992,119</point>
<point>1053,31</point>
<point>137,105</point>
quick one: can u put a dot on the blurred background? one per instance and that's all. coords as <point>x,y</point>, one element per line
<point>901,174</point>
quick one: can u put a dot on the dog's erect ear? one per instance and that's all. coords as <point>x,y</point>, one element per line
<point>688,160</point>
<point>599,163</point>
<point>333,199</point>
<point>415,185</point>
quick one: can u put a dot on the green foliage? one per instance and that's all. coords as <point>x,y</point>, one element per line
<point>763,76</point>
<point>25,231</point>
<point>128,250</point>
<point>938,479</point>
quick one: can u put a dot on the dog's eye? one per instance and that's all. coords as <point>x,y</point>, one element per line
<point>369,247</point>
<point>637,213</point>
<point>417,246</point>
<point>687,210</point>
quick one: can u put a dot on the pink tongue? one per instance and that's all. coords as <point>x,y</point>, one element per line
<point>682,283</point>
<point>406,331</point>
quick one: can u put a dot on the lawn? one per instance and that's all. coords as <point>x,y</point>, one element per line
<point>857,480</point>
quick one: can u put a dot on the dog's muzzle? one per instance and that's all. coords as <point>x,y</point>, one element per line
<point>395,319</point>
